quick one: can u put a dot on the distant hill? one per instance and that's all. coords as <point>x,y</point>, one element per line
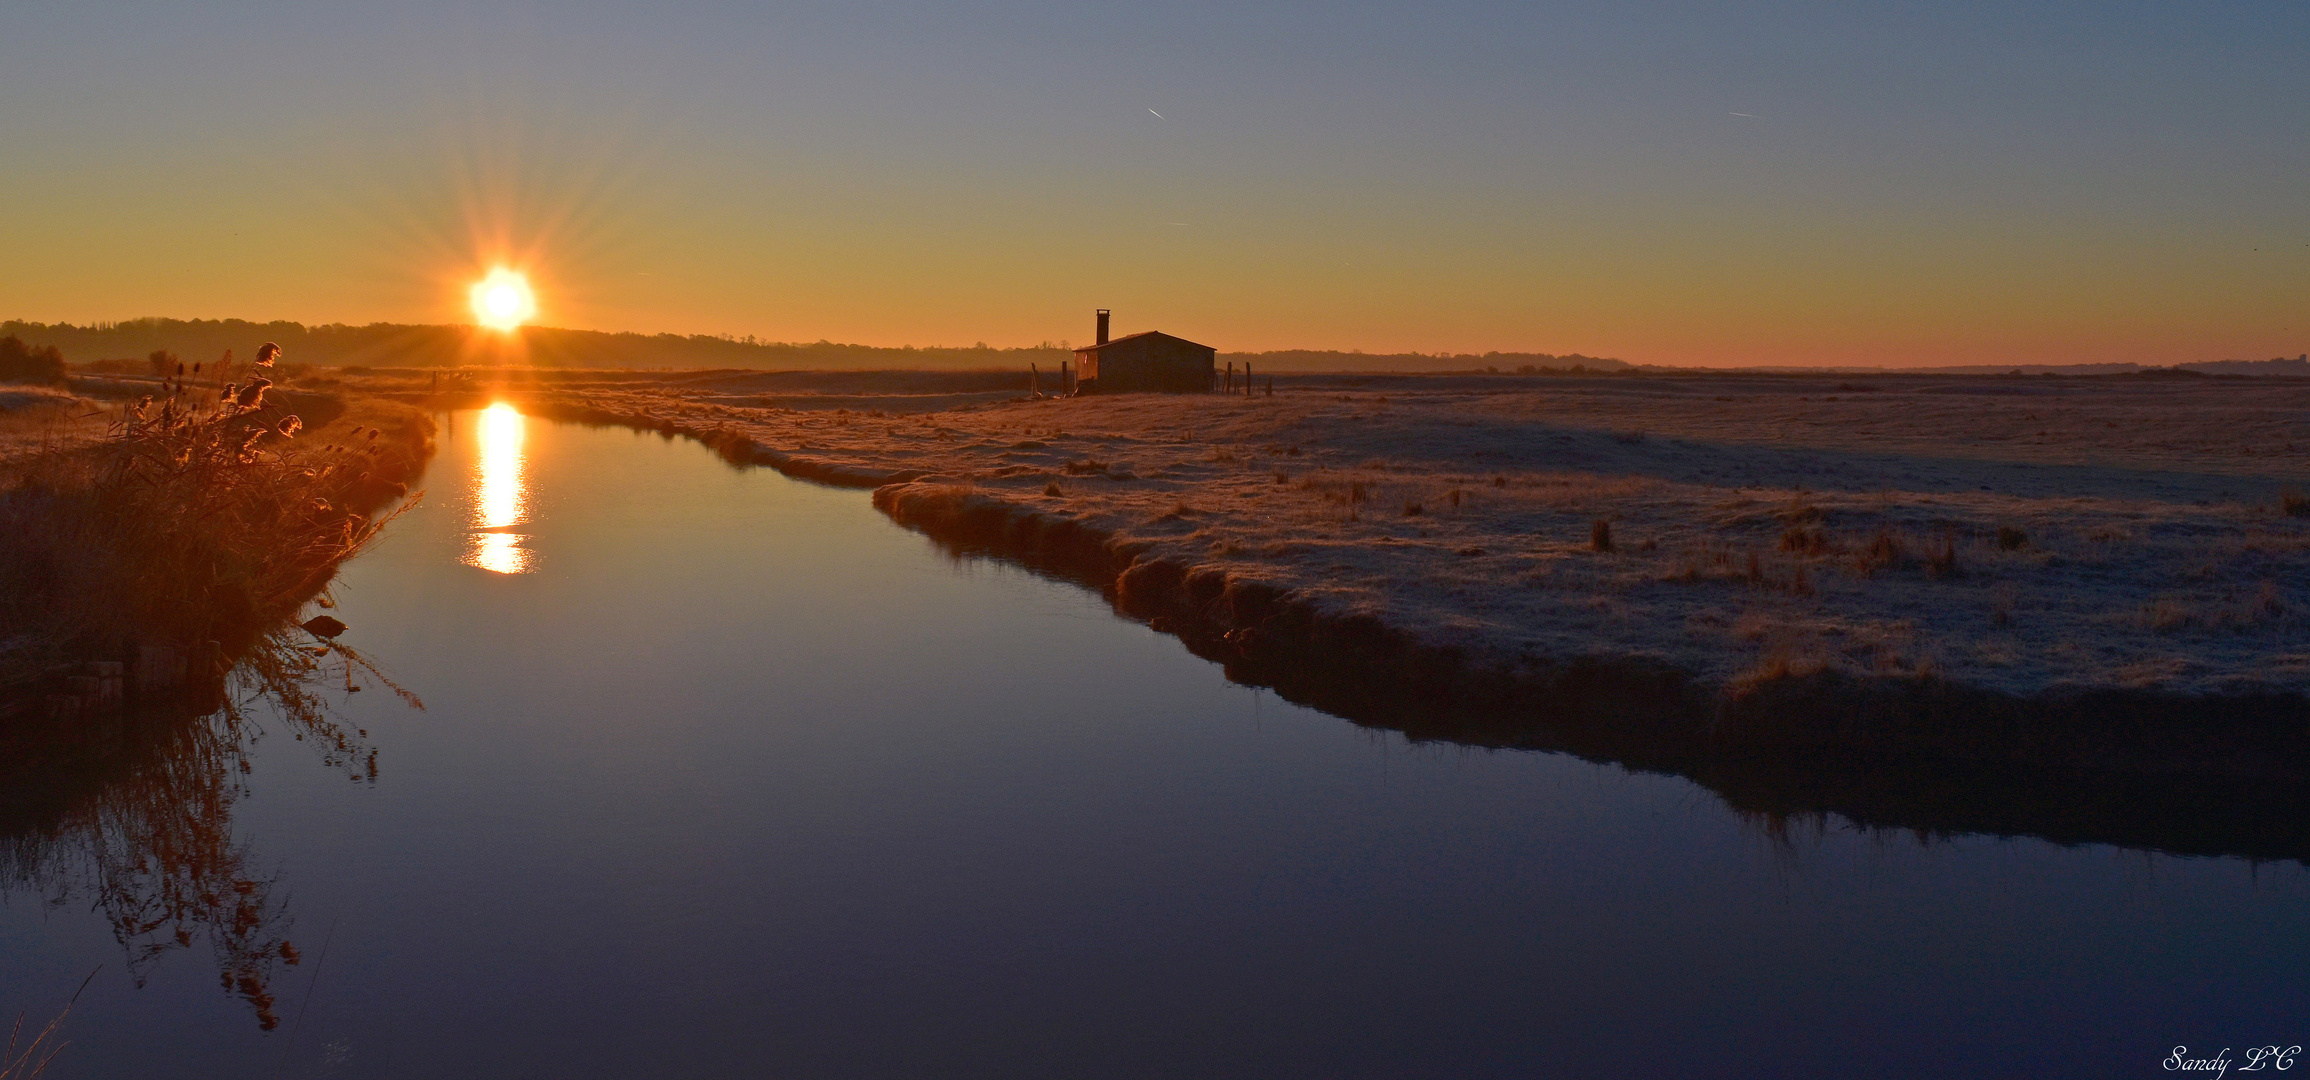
<point>2296,366</point>
<point>1332,360</point>
<point>2289,366</point>
<point>2023,369</point>
<point>398,345</point>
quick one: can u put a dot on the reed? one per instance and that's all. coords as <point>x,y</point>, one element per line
<point>24,1059</point>
<point>2293,502</point>
<point>205,514</point>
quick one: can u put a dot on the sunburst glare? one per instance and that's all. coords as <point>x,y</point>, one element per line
<point>503,300</point>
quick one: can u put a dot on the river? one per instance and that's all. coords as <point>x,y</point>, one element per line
<point>723,774</point>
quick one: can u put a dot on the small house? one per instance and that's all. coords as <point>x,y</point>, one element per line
<point>1146,361</point>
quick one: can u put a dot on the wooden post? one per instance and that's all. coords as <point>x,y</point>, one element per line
<point>158,667</point>
<point>110,682</point>
<point>1034,381</point>
<point>83,689</point>
<point>1247,378</point>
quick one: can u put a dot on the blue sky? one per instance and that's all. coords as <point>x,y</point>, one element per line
<point>1668,183</point>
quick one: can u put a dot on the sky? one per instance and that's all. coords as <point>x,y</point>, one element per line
<point>1675,183</point>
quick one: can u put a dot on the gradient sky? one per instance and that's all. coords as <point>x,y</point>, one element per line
<point>1912,183</point>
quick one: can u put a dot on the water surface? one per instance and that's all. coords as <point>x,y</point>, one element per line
<point>722,774</point>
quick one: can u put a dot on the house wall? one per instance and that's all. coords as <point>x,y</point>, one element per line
<point>1142,364</point>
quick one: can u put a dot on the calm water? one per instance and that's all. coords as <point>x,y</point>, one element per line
<point>724,775</point>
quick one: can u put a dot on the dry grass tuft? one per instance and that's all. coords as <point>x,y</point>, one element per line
<point>204,516</point>
<point>1804,540</point>
<point>1883,552</point>
<point>26,1059</point>
<point>1941,561</point>
<point>2167,614</point>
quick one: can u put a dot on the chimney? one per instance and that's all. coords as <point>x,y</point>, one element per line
<point>1102,327</point>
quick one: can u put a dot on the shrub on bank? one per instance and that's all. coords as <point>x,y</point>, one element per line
<point>207,515</point>
<point>20,363</point>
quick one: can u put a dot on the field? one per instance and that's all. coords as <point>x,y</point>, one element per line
<point>2016,534</point>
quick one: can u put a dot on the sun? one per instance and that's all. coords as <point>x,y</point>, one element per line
<point>503,300</point>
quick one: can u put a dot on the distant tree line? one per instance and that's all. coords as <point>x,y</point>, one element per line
<point>132,345</point>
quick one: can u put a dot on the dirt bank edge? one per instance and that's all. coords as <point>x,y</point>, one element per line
<point>1634,711</point>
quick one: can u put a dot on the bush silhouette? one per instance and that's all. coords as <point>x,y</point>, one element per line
<point>23,364</point>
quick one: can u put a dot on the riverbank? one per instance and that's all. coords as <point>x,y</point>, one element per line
<point>150,525</point>
<point>157,543</point>
<point>1979,568</point>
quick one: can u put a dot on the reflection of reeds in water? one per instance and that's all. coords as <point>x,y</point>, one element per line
<point>200,527</point>
<point>135,819</point>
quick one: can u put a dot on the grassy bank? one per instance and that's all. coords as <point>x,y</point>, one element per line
<point>2022,537</point>
<point>207,508</point>
<point>158,538</point>
<point>2187,774</point>
<point>2074,608</point>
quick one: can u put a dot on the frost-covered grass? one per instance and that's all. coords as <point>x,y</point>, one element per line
<point>36,419</point>
<point>2013,533</point>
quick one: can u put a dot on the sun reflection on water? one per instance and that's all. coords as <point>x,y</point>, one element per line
<point>503,497</point>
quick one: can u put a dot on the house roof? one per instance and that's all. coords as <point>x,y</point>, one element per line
<point>1142,334</point>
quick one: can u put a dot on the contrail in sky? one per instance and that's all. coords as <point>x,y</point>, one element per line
<point>1751,116</point>
<point>1158,115</point>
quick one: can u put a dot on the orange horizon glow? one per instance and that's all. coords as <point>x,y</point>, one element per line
<point>1729,187</point>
